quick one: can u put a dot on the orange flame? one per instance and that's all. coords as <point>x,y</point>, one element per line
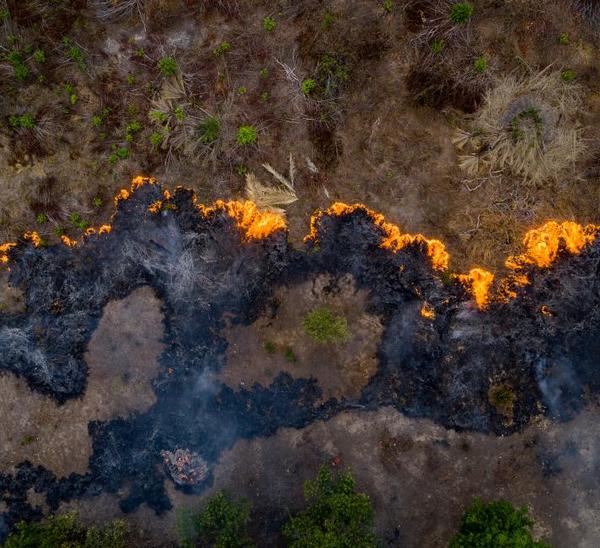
<point>545,310</point>
<point>256,224</point>
<point>34,238</point>
<point>4,249</point>
<point>543,244</point>
<point>69,242</point>
<point>479,282</point>
<point>427,311</point>
<point>393,238</point>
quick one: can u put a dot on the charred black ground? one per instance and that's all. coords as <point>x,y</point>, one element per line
<point>204,270</point>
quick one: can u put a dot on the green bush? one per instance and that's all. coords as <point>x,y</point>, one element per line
<point>460,13</point>
<point>269,24</point>
<point>222,48</point>
<point>480,64</point>
<point>495,524</point>
<point>25,121</point>
<point>65,531</point>
<point>437,45</point>
<point>564,39</point>
<point>308,86</point>
<point>39,56</point>
<point>337,516</point>
<point>156,139</point>
<point>388,6</point>
<point>323,326</point>
<point>568,75</point>
<point>168,66</point>
<point>247,135</point>
<point>223,523</point>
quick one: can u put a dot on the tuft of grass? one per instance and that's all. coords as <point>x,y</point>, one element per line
<point>322,326</point>
<point>289,355</point>
<point>270,347</point>
<point>437,45</point>
<point>564,39</point>
<point>209,130</point>
<point>269,24</point>
<point>480,64</point>
<point>460,13</point>
<point>247,135</point>
<point>568,75</point>
<point>222,49</point>
<point>25,121</point>
<point>156,139</point>
<point>308,86</point>
<point>168,66</point>
<point>39,56</point>
<point>388,6</point>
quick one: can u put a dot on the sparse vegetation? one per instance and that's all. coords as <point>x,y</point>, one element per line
<point>308,86</point>
<point>323,326</point>
<point>222,48</point>
<point>461,12</point>
<point>495,524</point>
<point>168,66</point>
<point>480,64</point>
<point>269,24</point>
<point>564,39</point>
<point>568,75</point>
<point>65,530</point>
<point>247,135</point>
<point>437,45</point>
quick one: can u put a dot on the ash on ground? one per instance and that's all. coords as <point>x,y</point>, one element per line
<point>185,467</point>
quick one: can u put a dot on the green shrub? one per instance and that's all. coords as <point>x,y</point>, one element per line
<point>76,55</point>
<point>222,48</point>
<point>41,219</point>
<point>531,115</point>
<point>480,64</point>
<point>168,66</point>
<point>25,121</point>
<point>270,347</point>
<point>388,6</point>
<point>437,45</point>
<point>495,524</point>
<point>247,135</point>
<point>39,56</point>
<point>156,139</point>
<point>337,516</point>
<point>289,355</point>
<point>460,13</point>
<point>242,90</point>
<point>66,531</point>
<point>308,86</point>
<point>323,326</point>
<point>563,39</point>
<point>209,130</point>
<point>4,14</point>
<point>328,19</point>
<point>568,75</point>
<point>269,24</point>
<point>223,523</point>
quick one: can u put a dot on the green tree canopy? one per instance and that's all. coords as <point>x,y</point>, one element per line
<point>337,516</point>
<point>495,524</point>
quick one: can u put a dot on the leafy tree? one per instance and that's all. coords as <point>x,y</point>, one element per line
<point>337,516</point>
<point>66,531</point>
<point>495,524</point>
<point>222,524</point>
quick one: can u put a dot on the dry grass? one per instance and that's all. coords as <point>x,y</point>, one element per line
<point>270,197</point>
<point>116,9</point>
<point>527,126</point>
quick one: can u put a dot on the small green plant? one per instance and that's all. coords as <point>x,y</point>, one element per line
<point>25,121</point>
<point>209,130</point>
<point>564,39</point>
<point>480,64</point>
<point>156,139</point>
<point>4,14</point>
<point>179,114</point>
<point>168,66</point>
<point>289,355</point>
<point>41,219</point>
<point>568,75</point>
<point>70,91</point>
<point>222,48</point>
<point>328,19</point>
<point>17,61</point>
<point>322,326</point>
<point>270,347</point>
<point>308,86</point>
<point>264,72</point>
<point>461,12</point>
<point>241,170</point>
<point>96,120</point>
<point>336,517</point>
<point>132,129</point>
<point>76,220</point>
<point>437,45</point>
<point>242,90</point>
<point>264,96</point>
<point>58,231</point>
<point>247,135</point>
<point>495,524</point>
<point>26,440</point>
<point>130,79</point>
<point>97,202</point>
<point>269,24</point>
<point>158,116</point>
<point>76,55</point>
<point>388,6</point>
<point>39,56</point>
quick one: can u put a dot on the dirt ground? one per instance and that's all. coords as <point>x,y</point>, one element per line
<point>277,342</point>
<point>121,357</point>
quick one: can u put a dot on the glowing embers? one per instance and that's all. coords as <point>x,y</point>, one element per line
<point>392,237</point>
<point>34,238</point>
<point>479,283</point>
<point>427,311</point>
<point>543,244</point>
<point>136,183</point>
<point>255,224</point>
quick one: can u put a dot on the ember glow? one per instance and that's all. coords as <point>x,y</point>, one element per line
<point>4,249</point>
<point>393,239</point>
<point>427,311</point>
<point>34,238</point>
